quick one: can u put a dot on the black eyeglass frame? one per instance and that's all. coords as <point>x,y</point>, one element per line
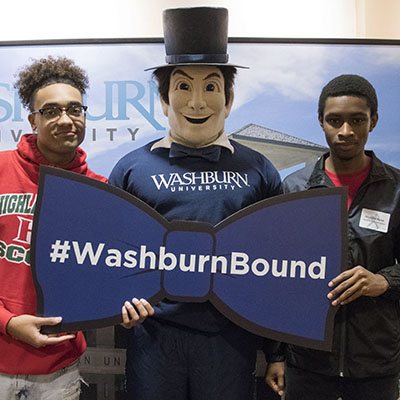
<point>83,108</point>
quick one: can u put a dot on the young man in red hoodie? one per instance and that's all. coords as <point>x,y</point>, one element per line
<point>32,364</point>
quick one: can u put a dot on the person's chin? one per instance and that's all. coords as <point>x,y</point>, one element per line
<point>346,155</point>
<point>72,142</point>
<point>200,140</point>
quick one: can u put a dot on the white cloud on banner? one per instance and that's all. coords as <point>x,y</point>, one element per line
<point>299,71</point>
<point>385,55</point>
<point>294,71</point>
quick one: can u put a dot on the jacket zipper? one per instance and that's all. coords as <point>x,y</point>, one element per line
<point>343,330</point>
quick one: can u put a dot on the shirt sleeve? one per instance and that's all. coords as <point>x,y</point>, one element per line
<point>274,351</point>
<point>392,273</point>
<point>117,176</point>
<point>5,316</point>
<point>273,180</point>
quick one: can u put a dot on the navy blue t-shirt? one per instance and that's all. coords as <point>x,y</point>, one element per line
<point>194,189</point>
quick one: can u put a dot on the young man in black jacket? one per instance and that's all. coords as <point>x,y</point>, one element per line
<point>365,359</point>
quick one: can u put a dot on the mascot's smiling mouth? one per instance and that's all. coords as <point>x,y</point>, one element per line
<point>197,120</point>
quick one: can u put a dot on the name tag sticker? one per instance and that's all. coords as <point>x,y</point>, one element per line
<point>374,220</point>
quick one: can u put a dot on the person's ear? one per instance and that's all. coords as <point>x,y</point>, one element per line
<point>321,121</point>
<point>374,121</point>
<point>31,119</point>
<point>164,107</point>
<point>229,105</point>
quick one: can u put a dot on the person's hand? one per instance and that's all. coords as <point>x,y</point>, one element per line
<point>135,314</point>
<point>275,377</point>
<point>26,328</point>
<point>356,282</point>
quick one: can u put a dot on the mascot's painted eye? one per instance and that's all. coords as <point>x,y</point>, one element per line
<point>183,86</point>
<point>210,87</point>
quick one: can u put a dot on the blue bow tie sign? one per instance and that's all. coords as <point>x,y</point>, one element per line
<point>266,267</point>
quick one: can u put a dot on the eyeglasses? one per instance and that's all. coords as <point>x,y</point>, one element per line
<point>54,113</point>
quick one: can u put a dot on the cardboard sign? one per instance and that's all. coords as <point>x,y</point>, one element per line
<point>266,267</point>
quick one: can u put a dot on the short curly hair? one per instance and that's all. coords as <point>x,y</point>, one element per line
<point>45,72</point>
<point>348,85</point>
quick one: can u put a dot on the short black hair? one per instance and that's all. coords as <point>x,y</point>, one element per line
<point>47,71</point>
<point>163,76</point>
<point>348,85</point>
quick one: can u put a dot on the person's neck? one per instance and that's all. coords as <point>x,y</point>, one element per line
<point>58,160</point>
<point>346,167</point>
<point>179,140</point>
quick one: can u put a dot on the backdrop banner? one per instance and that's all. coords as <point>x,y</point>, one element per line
<point>275,102</point>
<point>266,267</point>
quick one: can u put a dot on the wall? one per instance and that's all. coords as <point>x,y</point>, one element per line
<point>47,19</point>
<point>378,18</point>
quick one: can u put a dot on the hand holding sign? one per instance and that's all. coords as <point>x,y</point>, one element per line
<point>356,282</point>
<point>266,267</point>
<point>136,312</point>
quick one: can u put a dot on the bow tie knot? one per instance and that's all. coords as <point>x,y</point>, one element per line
<point>210,153</point>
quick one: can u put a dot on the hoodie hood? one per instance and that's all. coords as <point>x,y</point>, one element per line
<point>31,159</point>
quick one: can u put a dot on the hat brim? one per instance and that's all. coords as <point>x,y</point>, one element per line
<point>197,63</point>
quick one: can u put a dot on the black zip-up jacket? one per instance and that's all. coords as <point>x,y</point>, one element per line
<point>366,338</point>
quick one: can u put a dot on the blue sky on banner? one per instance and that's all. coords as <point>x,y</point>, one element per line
<point>280,91</point>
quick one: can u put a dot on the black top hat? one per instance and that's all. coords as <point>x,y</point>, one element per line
<point>196,36</point>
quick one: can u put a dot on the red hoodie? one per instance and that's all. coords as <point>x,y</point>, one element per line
<point>19,175</point>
